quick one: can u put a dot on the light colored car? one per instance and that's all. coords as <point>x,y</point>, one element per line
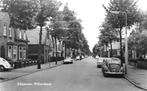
<point>4,65</point>
<point>97,57</point>
<point>68,60</point>
<point>113,66</point>
<point>99,62</point>
<point>78,58</point>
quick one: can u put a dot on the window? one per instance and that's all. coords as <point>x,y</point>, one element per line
<point>24,36</point>
<point>15,52</point>
<point>10,51</point>
<point>22,52</point>
<point>10,32</point>
<point>5,30</point>
<point>20,34</point>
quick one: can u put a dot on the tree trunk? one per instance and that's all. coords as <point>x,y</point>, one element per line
<point>53,45</point>
<point>144,52</point>
<point>56,48</point>
<point>65,50</point>
<point>40,49</point>
<point>111,49</point>
<point>121,52</point>
<point>106,51</point>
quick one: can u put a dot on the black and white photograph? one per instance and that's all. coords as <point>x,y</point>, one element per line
<point>73,45</point>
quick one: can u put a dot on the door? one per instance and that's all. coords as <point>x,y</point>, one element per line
<point>2,51</point>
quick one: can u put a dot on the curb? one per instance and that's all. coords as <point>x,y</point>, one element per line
<point>132,82</point>
<point>8,79</point>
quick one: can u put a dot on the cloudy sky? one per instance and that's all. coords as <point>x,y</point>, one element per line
<point>92,15</point>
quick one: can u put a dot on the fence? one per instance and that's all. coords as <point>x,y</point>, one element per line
<point>25,63</point>
<point>139,63</point>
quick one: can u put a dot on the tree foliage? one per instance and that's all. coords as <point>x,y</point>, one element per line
<point>138,42</point>
<point>128,14</point>
<point>47,9</point>
<point>21,13</point>
<point>108,34</point>
<point>127,6</point>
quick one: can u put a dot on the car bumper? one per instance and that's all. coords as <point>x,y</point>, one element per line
<point>10,68</point>
<point>119,73</point>
<point>67,62</point>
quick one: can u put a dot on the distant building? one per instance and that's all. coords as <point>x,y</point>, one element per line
<point>33,46</point>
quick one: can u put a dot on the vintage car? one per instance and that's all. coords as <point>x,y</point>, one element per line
<point>99,62</point>
<point>113,66</point>
<point>68,60</point>
<point>5,65</point>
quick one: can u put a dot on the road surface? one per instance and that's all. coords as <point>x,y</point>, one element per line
<point>79,76</point>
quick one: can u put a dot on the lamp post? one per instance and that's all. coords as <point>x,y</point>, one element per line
<point>126,37</point>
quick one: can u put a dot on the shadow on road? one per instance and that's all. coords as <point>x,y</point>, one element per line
<point>114,76</point>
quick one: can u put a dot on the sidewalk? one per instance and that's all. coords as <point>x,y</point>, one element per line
<point>137,77</point>
<point>16,73</point>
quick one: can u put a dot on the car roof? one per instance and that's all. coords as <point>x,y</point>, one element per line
<point>113,60</point>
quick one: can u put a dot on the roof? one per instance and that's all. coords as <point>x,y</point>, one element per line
<point>4,16</point>
<point>33,35</point>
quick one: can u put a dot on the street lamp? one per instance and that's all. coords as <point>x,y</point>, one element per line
<point>126,38</point>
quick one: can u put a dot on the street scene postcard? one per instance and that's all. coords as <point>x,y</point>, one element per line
<point>73,45</point>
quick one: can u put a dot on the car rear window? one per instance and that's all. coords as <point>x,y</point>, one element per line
<point>115,60</point>
<point>100,60</point>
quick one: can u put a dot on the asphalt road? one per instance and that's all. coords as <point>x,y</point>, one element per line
<point>79,76</point>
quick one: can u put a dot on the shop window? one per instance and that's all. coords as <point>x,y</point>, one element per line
<point>5,30</point>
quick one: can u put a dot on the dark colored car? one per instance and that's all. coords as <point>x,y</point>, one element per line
<point>113,66</point>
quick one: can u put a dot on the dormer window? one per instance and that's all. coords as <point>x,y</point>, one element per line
<point>5,30</point>
<point>10,32</point>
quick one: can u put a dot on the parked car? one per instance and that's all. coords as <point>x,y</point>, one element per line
<point>78,58</point>
<point>68,60</point>
<point>113,66</point>
<point>99,62</point>
<point>97,57</point>
<point>4,65</point>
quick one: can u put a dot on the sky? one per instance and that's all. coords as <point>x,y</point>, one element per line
<point>92,15</point>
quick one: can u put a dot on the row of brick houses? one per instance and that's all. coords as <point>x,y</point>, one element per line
<point>20,45</point>
<point>13,42</point>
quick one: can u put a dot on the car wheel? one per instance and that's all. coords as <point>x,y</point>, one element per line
<point>104,74</point>
<point>123,75</point>
<point>98,66</point>
<point>2,68</point>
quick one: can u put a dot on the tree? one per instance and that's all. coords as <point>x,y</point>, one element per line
<point>137,41</point>
<point>96,49</point>
<point>108,34</point>
<point>118,20</point>
<point>47,10</point>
